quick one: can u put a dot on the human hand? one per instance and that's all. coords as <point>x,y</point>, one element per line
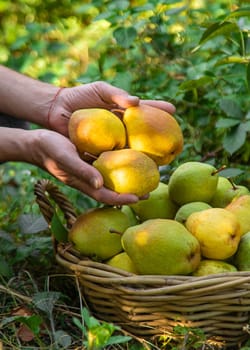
<point>58,156</point>
<point>94,95</point>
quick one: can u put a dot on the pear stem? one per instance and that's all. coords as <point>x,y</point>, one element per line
<point>218,170</point>
<point>119,111</point>
<point>232,183</point>
<point>90,155</point>
<point>115,231</point>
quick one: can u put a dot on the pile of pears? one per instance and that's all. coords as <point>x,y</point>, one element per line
<point>128,147</point>
<point>196,224</point>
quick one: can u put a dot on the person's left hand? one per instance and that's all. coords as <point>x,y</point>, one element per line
<point>58,156</point>
<point>94,95</point>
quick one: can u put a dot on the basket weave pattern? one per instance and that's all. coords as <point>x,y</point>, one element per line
<point>152,305</point>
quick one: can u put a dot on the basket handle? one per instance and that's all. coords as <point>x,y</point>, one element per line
<point>45,190</point>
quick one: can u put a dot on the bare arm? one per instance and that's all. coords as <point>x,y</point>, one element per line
<point>24,97</point>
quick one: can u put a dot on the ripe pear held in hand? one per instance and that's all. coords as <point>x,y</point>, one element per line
<point>96,130</point>
<point>217,230</point>
<point>154,132</point>
<point>241,208</point>
<point>193,182</point>
<point>97,232</point>
<point>128,171</point>
<point>161,247</point>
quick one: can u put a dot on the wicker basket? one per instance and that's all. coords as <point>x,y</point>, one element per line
<point>149,306</point>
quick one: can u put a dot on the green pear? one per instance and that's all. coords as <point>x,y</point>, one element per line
<point>226,191</point>
<point>242,256</point>
<point>241,208</point>
<point>193,182</point>
<point>161,247</point>
<point>97,232</point>
<point>210,266</point>
<point>217,230</point>
<point>158,205</point>
<point>187,209</point>
<point>128,171</point>
<point>122,261</point>
<point>133,220</point>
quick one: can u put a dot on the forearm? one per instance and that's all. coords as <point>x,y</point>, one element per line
<point>16,144</point>
<point>24,97</point>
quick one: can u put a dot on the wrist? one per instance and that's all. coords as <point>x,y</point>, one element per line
<point>17,144</point>
<point>24,97</point>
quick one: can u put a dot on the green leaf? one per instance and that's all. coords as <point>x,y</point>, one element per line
<point>125,36</point>
<point>45,301</point>
<point>79,324</point>
<point>247,125</point>
<point>241,12</point>
<point>231,108</point>
<point>63,339</point>
<point>218,28</point>
<point>231,172</point>
<point>58,230</point>
<point>118,339</point>
<point>5,268</point>
<point>248,76</point>
<point>33,322</point>
<point>31,223</point>
<point>226,123</point>
<point>235,139</point>
<point>90,321</point>
<point>195,83</point>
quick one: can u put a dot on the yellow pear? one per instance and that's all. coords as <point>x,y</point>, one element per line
<point>122,261</point>
<point>97,232</point>
<point>128,171</point>
<point>241,208</point>
<point>193,182</point>
<point>96,130</point>
<point>217,230</point>
<point>154,132</point>
<point>161,247</point>
<point>187,209</point>
<point>158,205</point>
<point>211,266</point>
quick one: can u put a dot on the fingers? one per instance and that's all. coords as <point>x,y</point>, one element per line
<point>103,195</point>
<point>120,97</point>
<point>113,95</point>
<point>166,106</point>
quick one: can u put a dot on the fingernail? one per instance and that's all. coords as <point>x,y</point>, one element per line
<point>95,182</point>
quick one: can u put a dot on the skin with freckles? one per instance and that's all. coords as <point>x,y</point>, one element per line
<point>50,108</point>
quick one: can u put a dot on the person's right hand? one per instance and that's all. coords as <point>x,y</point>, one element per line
<point>58,156</point>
